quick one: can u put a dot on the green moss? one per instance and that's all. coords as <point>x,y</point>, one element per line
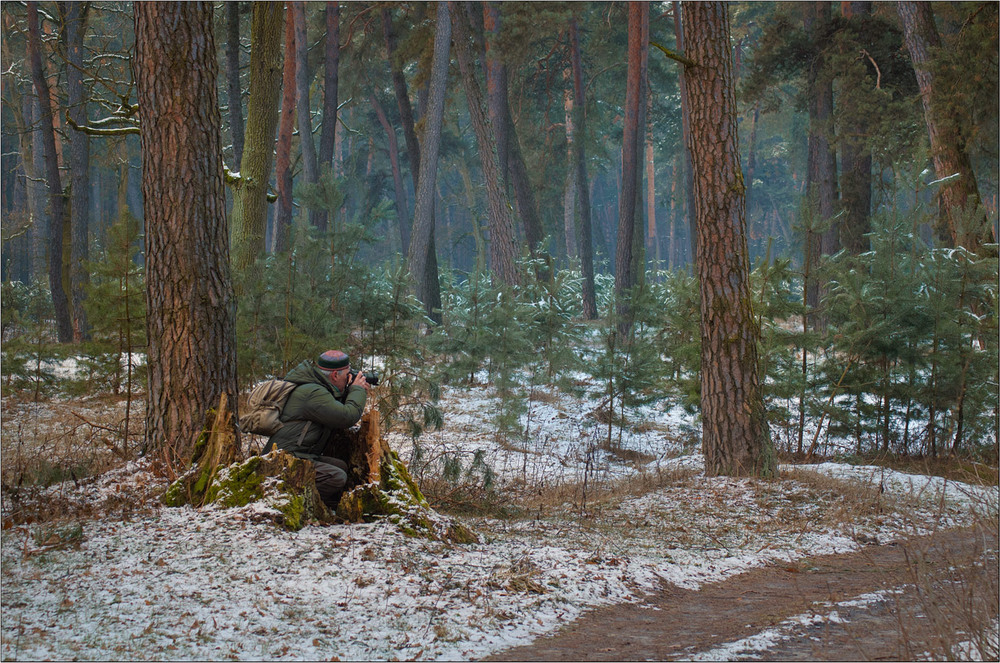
<point>396,479</point>
<point>203,480</point>
<point>175,495</point>
<point>293,512</point>
<point>238,485</point>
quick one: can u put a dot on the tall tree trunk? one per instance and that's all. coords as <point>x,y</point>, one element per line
<point>625,259</point>
<point>74,25</point>
<point>233,86</point>
<point>569,193</point>
<point>331,72</point>
<point>412,146</point>
<point>686,132</point>
<point>503,250</point>
<point>509,155</point>
<point>310,167</point>
<point>249,214</point>
<point>57,285</point>
<point>283,151</point>
<point>402,212</point>
<point>496,85</point>
<point>652,240</point>
<point>422,257</point>
<point>821,185</point>
<point>190,323</point>
<point>735,436</point>
<point>960,195</point>
<point>856,158</point>
<point>585,228</point>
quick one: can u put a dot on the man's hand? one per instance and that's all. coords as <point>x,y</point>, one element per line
<point>360,381</point>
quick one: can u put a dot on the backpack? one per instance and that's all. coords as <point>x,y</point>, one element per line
<point>264,407</point>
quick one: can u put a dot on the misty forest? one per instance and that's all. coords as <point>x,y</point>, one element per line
<point>653,297</point>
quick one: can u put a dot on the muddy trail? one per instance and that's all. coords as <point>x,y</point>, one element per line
<point>807,610</point>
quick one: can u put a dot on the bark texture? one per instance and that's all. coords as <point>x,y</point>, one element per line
<point>233,86</point>
<point>735,436</point>
<point>625,258</point>
<point>74,15</point>
<point>509,154</point>
<point>57,285</point>
<point>402,212</point>
<point>422,256</point>
<point>585,245</point>
<point>331,73</point>
<point>821,178</point>
<point>503,249</point>
<point>856,160</point>
<point>310,165</point>
<point>249,214</point>
<point>283,151</point>
<point>961,194</point>
<point>189,297</point>
<point>689,216</point>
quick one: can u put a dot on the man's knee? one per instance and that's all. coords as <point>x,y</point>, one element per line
<point>330,481</point>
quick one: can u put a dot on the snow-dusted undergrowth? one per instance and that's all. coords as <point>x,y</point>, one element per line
<point>216,584</point>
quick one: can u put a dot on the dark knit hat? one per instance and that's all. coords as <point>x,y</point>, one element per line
<point>332,360</point>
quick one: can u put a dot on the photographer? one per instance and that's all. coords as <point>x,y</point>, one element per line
<point>326,399</point>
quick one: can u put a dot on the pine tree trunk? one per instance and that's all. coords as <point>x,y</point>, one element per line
<point>60,300</point>
<point>962,194</point>
<point>331,73</point>
<point>402,212</point>
<point>503,250</point>
<point>190,306</point>
<point>569,193</point>
<point>283,151</point>
<point>75,23</point>
<point>625,259</point>
<point>233,87</point>
<point>652,241</point>
<point>310,167</point>
<point>496,86</point>
<point>422,257</point>
<point>821,184</point>
<point>249,213</point>
<point>33,189</point>
<point>689,215</point>
<point>856,161</point>
<point>585,228</point>
<point>735,436</point>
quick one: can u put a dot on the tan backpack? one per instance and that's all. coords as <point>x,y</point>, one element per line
<point>263,415</point>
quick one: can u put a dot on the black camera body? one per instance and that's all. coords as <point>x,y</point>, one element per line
<point>370,376</point>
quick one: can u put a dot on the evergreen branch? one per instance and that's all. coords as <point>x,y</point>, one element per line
<point>673,56</point>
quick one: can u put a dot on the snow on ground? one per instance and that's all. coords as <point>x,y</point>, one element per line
<point>184,584</point>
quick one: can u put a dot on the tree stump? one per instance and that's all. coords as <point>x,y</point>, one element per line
<point>284,484</point>
<point>378,484</point>
<point>380,487</point>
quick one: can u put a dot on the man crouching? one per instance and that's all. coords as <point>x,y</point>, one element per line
<point>323,402</point>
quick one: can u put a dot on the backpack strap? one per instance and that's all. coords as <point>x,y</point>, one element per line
<point>270,442</point>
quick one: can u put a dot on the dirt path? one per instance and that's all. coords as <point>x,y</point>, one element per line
<point>679,624</point>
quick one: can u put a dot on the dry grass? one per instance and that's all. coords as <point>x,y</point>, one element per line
<point>957,603</point>
<point>61,444</point>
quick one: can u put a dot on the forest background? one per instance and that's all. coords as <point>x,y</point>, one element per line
<point>552,234</point>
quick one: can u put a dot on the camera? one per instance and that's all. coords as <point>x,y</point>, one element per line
<point>370,376</point>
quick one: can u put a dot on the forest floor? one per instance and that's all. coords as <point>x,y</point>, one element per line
<point>593,539</point>
<point>872,605</point>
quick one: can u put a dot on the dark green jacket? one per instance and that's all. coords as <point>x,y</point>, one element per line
<point>319,402</point>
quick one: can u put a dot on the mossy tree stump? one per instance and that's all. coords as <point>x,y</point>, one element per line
<point>378,484</point>
<point>286,485</point>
